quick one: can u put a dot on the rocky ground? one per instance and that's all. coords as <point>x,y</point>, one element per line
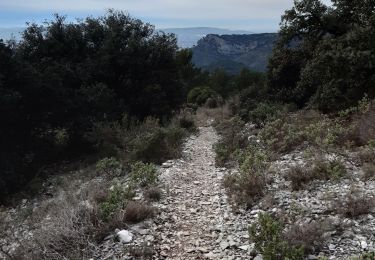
<point>196,220</point>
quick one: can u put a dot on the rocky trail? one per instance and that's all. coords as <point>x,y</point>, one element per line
<point>197,221</point>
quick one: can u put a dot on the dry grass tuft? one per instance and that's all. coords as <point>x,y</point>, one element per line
<point>354,204</point>
<point>136,212</point>
<point>306,235</point>
<point>153,193</point>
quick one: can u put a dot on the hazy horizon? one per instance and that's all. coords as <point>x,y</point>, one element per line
<point>250,15</point>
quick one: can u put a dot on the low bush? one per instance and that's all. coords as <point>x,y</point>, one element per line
<point>249,184</point>
<point>118,197</point>
<point>264,112</point>
<point>320,170</point>
<point>368,171</point>
<point>232,140</point>
<point>153,193</point>
<point>328,170</point>
<point>365,256</point>
<point>148,141</point>
<point>137,211</point>
<point>366,154</point>
<point>143,174</point>
<point>291,131</point>
<point>354,204</point>
<point>109,166</point>
<point>200,95</point>
<point>267,234</point>
<point>308,236</point>
<point>299,177</point>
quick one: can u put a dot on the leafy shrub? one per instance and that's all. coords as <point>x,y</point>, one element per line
<point>147,141</point>
<point>232,139</point>
<point>365,256</point>
<point>199,95</point>
<point>117,198</point>
<point>328,170</point>
<point>281,137</point>
<point>248,185</point>
<point>268,238</point>
<point>157,144</point>
<point>305,128</point>
<point>264,112</point>
<point>185,120</point>
<point>144,174</point>
<point>109,166</point>
<point>320,170</point>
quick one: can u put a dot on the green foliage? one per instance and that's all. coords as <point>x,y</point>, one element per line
<point>232,140</point>
<point>147,141</point>
<point>64,79</point>
<point>264,112</point>
<point>329,170</point>
<point>248,185</point>
<point>109,166</point>
<point>199,95</point>
<point>117,198</point>
<point>306,127</point>
<point>365,256</point>
<point>144,174</point>
<point>325,55</point>
<point>320,170</point>
<point>268,239</point>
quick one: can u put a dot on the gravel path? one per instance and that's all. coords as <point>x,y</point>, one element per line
<point>196,221</point>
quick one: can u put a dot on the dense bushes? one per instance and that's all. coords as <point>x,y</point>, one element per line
<point>325,55</point>
<point>64,79</point>
<point>200,95</point>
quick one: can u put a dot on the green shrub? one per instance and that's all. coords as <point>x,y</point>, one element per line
<point>144,174</point>
<point>328,170</point>
<point>199,95</point>
<point>280,136</point>
<point>320,170</point>
<point>306,128</point>
<point>109,166</point>
<point>264,112</point>
<point>117,197</point>
<point>365,256</point>
<point>268,239</point>
<point>147,141</point>
<point>232,140</point>
<point>248,185</point>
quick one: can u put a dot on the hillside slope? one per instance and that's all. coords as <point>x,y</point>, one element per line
<point>188,37</point>
<point>233,52</point>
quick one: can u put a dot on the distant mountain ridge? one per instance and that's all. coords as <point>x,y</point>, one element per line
<point>234,52</point>
<point>188,37</point>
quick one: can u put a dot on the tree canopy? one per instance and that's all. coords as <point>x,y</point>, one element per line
<point>324,56</point>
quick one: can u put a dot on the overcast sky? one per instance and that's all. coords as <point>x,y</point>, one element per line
<point>254,15</point>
